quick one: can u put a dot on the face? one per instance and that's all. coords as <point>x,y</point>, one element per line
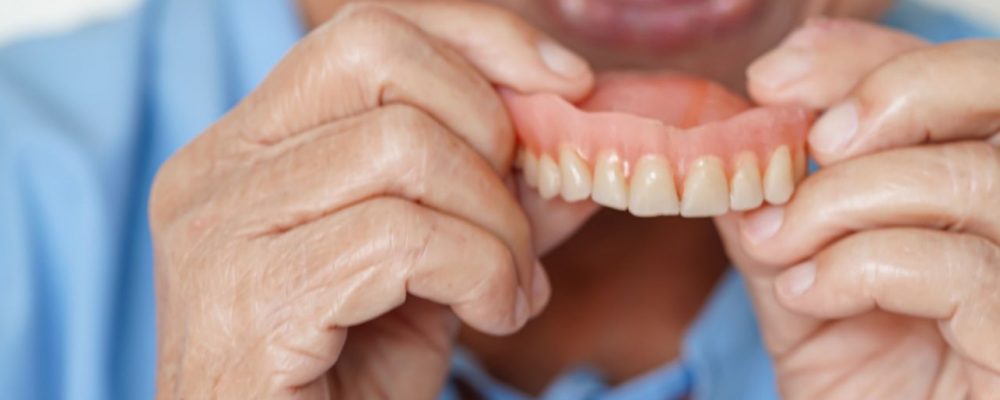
<point>712,38</point>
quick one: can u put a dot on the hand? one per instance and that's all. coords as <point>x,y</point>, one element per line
<point>880,278</point>
<point>371,165</point>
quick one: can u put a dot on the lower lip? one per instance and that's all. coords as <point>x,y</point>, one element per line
<point>652,24</point>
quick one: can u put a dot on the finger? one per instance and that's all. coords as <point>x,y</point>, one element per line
<point>365,60</point>
<point>372,54</point>
<point>505,48</point>
<point>781,329</point>
<point>358,264</point>
<point>937,94</point>
<point>553,220</point>
<point>951,187</point>
<point>946,276</point>
<point>819,64</point>
<point>419,331</point>
<point>395,151</point>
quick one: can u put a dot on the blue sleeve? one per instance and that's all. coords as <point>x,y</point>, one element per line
<point>934,24</point>
<point>65,128</point>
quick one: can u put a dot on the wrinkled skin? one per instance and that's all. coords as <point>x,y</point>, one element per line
<point>323,239</point>
<point>307,211</point>
<point>880,278</point>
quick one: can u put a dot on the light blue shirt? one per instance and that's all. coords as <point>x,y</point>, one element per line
<point>86,118</point>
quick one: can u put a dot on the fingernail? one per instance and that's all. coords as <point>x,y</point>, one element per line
<point>836,128</point>
<point>539,285</point>
<point>763,224</point>
<point>797,280</point>
<point>560,60</point>
<point>521,310</point>
<point>780,69</point>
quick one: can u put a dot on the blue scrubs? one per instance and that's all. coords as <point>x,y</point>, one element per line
<point>86,118</point>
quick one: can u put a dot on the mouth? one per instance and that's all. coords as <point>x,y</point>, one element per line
<point>652,24</point>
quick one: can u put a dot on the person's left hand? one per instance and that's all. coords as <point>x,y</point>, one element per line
<point>881,277</point>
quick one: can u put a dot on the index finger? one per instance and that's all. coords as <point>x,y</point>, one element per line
<point>422,54</point>
<point>943,93</point>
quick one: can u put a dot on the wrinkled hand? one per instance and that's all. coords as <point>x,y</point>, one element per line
<point>372,164</point>
<point>881,278</point>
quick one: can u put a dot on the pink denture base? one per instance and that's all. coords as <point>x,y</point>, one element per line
<point>679,117</point>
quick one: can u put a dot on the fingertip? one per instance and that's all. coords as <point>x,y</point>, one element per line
<point>770,76</point>
<point>561,61</point>
<point>795,282</point>
<point>833,135</point>
<point>550,68</point>
<point>762,225</point>
<point>494,317</point>
<point>540,289</point>
<point>522,309</point>
<point>572,76</point>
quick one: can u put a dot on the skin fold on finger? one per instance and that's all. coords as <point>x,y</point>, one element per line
<point>819,64</point>
<point>950,186</point>
<point>396,151</point>
<point>396,248</point>
<point>937,94</point>
<point>944,276</point>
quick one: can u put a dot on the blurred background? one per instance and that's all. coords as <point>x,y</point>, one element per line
<point>26,17</point>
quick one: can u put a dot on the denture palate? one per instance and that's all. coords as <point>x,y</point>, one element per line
<point>660,144</point>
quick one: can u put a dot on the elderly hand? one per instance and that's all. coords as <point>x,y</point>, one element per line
<point>372,164</point>
<point>881,278</point>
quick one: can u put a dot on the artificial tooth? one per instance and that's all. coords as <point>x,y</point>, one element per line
<point>549,177</point>
<point>706,192</point>
<point>652,190</point>
<point>530,169</point>
<point>576,179</point>
<point>745,191</point>
<point>778,180</point>
<point>801,163</point>
<point>609,182</point>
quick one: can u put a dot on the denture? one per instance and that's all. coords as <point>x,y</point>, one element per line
<point>660,144</point>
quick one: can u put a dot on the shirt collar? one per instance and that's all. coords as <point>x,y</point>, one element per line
<point>721,358</point>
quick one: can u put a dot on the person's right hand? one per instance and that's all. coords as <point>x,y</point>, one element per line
<point>371,165</point>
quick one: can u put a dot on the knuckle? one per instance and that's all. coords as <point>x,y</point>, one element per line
<point>403,118</point>
<point>159,198</point>
<point>409,139</point>
<point>973,172</point>
<point>169,191</point>
<point>983,269</point>
<point>371,33</point>
<point>408,228</point>
<point>396,218</point>
<point>367,14</point>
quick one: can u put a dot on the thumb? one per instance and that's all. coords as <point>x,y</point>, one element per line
<point>553,220</point>
<point>781,329</point>
<point>503,47</point>
<point>819,63</point>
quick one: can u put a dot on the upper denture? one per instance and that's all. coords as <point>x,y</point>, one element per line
<point>679,119</point>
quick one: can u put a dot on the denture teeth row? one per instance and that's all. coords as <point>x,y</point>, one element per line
<point>651,189</point>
